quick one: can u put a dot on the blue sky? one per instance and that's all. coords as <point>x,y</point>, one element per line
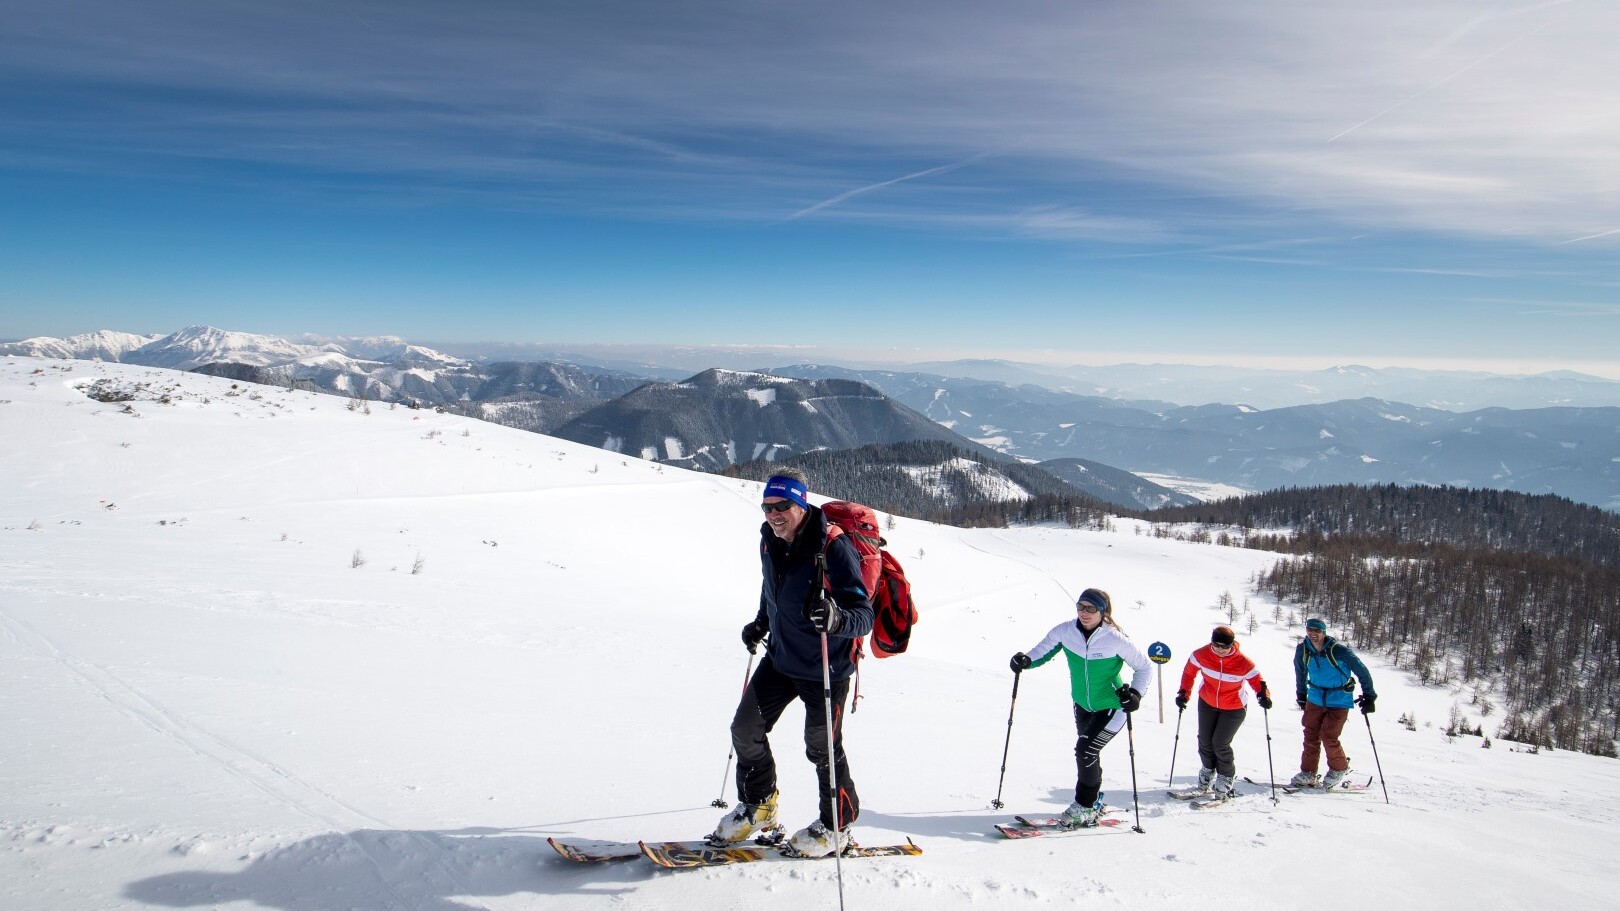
<point>1278,183</point>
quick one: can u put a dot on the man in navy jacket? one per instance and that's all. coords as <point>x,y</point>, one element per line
<point>798,607</point>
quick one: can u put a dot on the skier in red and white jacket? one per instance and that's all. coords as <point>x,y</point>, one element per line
<point>1222,703</point>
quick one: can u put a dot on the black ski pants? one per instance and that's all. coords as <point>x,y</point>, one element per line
<point>767,696</point>
<point>1093,730</point>
<point>1216,728</point>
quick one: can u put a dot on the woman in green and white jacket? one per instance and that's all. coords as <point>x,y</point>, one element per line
<point>1098,651</point>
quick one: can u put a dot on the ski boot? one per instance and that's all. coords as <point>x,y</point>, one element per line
<point>745,820</point>
<point>1079,817</point>
<point>819,840</point>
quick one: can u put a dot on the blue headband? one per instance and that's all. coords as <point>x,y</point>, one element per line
<point>1314,623</point>
<point>1097,598</point>
<point>788,489</point>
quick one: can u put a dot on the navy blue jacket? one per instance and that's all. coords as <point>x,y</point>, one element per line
<point>788,571</point>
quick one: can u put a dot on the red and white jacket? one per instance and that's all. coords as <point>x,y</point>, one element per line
<point>1223,677</point>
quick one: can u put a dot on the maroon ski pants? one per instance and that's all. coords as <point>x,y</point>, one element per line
<point>1322,729</point>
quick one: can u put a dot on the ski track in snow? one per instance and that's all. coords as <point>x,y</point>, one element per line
<point>276,782</point>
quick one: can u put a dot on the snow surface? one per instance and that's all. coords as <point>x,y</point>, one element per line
<point>1208,491</point>
<point>261,651</point>
<point>992,484</point>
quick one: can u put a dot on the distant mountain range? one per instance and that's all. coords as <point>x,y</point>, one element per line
<point>1572,452</point>
<point>1179,384</point>
<point>529,396</point>
<point>1185,384</point>
<point>718,418</point>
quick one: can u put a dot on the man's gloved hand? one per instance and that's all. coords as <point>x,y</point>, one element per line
<point>1129,700</point>
<point>754,633</point>
<point>1181,699</point>
<point>1018,663</point>
<point>1299,699</point>
<point>1367,703</point>
<point>824,615</point>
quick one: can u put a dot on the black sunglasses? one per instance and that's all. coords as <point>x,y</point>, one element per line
<point>780,506</point>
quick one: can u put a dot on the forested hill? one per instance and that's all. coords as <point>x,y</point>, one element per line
<point>1514,596</point>
<point>1466,518</point>
<point>938,482</point>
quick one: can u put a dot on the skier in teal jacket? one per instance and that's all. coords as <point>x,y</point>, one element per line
<point>1097,651</point>
<point>1325,675</point>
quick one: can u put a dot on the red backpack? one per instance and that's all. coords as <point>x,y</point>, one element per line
<point>893,611</point>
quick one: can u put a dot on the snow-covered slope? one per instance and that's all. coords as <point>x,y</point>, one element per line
<point>262,649</point>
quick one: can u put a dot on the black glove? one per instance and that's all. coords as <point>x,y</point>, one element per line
<point>824,615</point>
<point>1129,700</point>
<point>1018,663</point>
<point>1181,699</point>
<point>754,633</point>
<point>1264,700</point>
<point>1367,703</point>
<point>1299,698</point>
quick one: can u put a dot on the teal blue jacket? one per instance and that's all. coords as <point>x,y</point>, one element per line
<point>1328,677</point>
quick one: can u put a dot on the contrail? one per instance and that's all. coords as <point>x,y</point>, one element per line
<point>1426,89</point>
<point>841,197</point>
<point>1577,240</point>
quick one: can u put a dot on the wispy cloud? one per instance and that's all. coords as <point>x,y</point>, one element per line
<point>1500,126</point>
<point>1554,307</point>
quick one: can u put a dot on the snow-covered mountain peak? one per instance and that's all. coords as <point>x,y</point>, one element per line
<point>194,346</point>
<point>102,345</point>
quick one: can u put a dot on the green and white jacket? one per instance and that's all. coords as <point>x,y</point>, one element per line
<point>1095,663</point>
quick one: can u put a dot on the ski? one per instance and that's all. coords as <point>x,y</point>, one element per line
<point>585,851</point>
<point>1211,802</point>
<point>1344,787</point>
<point>1105,825</point>
<point>681,855</point>
<point>1032,826</point>
<point>595,852</point>
<point>1190,793</point>
<point>1058,822</point>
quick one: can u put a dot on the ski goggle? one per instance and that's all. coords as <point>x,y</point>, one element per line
<point>778,506</point>
<point>1086,607</point>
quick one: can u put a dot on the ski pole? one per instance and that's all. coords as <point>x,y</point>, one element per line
<point>1130,740</point>
<point>1181,710</point>
<point>1375,756</point>
<point>997,802</point>
<point>832,769</point>
<point>721,800</point>
<point>1271,769</point>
